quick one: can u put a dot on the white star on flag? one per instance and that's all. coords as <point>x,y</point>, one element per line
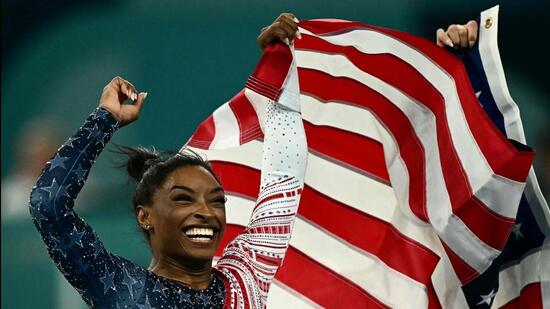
<point>487,299</point>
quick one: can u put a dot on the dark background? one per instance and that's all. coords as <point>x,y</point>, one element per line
<point>190,56</point>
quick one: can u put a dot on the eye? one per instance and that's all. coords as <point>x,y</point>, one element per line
<point>220,201</point>
<point>183,198</point>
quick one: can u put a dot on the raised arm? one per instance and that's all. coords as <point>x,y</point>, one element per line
<point>71,243</point>
<point>254,256</point>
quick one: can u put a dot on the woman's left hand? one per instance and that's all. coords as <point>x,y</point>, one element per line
<point>284,28</point>
<point>458,36</point>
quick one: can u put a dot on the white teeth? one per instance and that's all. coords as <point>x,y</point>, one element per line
<point>200,231</point>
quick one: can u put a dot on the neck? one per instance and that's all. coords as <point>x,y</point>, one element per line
<point>197,275</point>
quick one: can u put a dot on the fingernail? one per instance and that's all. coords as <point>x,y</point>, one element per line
<point>472,43</point>
<point>298,34</point>
<point>296,20</point>
<point>448,42</point>
<point>144,95</point>
<point>287,42</point>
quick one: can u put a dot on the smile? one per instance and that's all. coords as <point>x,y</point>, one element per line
<point>201,235</point>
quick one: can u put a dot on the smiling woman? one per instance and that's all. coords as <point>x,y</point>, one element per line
<point>189,206</point>
<point>180,205</point>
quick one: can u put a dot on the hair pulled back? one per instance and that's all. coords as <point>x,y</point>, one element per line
<point>150,168</point>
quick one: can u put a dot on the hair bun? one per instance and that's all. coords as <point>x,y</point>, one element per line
<point>140,159</point>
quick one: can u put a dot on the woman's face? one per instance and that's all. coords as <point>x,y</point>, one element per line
<point>188,215</point>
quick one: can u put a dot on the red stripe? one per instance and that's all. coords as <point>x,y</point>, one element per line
<point>334,89</point>
<point>227,286</point>
<point>274,65</point>
<point>323,286</point>
<point>464,272</point>
<point>383,240</point>
<point>530,297</point>
<point>204,135</point>
<point>263,88</point>
<point>249,126</point>
<point>502,156</point>
<point>350,149</point>
<point>391,69</point>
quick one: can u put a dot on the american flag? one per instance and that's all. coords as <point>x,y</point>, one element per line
<point>412,188</point>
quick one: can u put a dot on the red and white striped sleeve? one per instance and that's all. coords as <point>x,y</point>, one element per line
<point>251,260</point>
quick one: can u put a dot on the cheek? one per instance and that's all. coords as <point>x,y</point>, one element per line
<point>170,218</point>
<point>220,214</point>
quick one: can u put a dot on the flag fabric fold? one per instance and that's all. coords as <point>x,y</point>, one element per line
<point>412,188</point>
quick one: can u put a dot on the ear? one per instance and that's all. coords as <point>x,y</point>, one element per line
<point>143,214</point>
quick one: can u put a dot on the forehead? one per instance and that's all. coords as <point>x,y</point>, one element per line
<point>194,177</point>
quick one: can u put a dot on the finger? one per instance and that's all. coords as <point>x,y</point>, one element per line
<point>129,90</point>
<point>289,16</point>
<point>131,111</point>
<point>452,32</point>
<point>139,101</point>
<point>121,87</point>
<point>281,35</point>
<point>290,22</point>
<point>261,40</point>
<point>443,39</point>
<point>463,34</point>
<point>289,31</point>
<point>294,26</point>
<point>471,26</point>
<point>114,87</point>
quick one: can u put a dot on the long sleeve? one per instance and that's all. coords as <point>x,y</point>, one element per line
<point>251,260</point>
<point>71,243</point>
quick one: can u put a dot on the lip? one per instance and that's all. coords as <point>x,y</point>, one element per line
<point>201,244</point>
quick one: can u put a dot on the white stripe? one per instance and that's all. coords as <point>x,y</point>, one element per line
<point>475,165</point>
<point>227,128</point>
<point>343,185</point>
<point>449,227</point>
<point>492,65</point>
<point>282,296</point>
<point>363,122</point>
<point>447,286</point>
<point>532,268</point>
<point>364,269</point>
<point>259,102</point>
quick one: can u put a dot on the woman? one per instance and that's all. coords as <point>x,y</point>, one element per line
<point>180,205</point>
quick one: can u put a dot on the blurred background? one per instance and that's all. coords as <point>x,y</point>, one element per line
<point>190,56</point>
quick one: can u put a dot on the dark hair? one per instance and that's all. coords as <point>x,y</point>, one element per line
<point>150,168</point>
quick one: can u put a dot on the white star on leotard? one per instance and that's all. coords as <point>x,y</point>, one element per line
<point>58,246</point>
<point>57,161</point>
<point>55,189</point>
<point>145,305</point>
<point>98,248</point>
<point>129,281</point>
<point>76,237</point>
<point>159,288</point>
<point>79,172</point>
<point>107,281</point>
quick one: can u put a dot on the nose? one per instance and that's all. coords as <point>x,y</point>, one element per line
<point>203,211</point>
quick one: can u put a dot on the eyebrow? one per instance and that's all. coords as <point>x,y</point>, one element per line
<point>217,189</point>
